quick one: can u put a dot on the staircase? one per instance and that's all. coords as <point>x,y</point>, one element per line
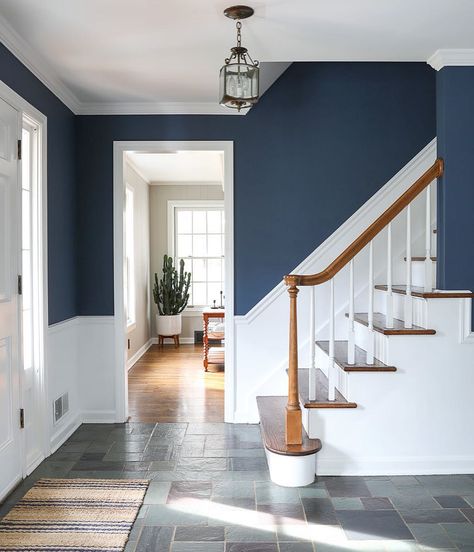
<point>372,364</point>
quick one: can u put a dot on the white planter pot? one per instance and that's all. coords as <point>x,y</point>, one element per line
<point>168,324</point>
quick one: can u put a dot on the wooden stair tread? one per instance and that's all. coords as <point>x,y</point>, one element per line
<point>380,325</point>
<point>417,291</point>
<point>272,425</point>
<point>321,400</point>
<point>340,357</point>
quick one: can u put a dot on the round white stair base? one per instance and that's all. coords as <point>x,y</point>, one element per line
<point>291,471</point>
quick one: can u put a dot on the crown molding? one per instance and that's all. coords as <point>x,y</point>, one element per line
<point>37,65</point>
<point>156,108</point>
<point>453,57</point>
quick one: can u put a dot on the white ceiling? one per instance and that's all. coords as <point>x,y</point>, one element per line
<point>181,167</point>
<point>123,56</point>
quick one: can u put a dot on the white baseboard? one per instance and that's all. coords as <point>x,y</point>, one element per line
<point>98,417</point>
<point>31,467</point>
<point>63,434</point>
<point>429,465</point>
<point>138,355</point>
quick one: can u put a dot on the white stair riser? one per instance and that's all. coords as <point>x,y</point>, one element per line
<point>418,273</point>
<point>419,307</point>
<point>362,336</point>
<point>322,362</point>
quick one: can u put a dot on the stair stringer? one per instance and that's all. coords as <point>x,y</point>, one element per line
<point>414,421</point>
<point>261,336</point>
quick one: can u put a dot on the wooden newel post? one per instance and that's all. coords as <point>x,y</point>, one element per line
<point>293,423</point>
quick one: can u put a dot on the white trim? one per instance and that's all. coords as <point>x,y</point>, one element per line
<point>135,169</point>
<point>403,465</point>
<point>187,203</point>
<point>156,108</point>
<point>119,149</point>
<point>35,63</point>
<point>465,322</point>
<point>98,416</point>
<point>362,217</point>
<point>452,57</point>
<point>183,203</point>
<point>107,319</point>
<point>25,108</point>
<point>186,183</point>
<point>59,326</point>
<point>63,434</point>
<point>138,355</point>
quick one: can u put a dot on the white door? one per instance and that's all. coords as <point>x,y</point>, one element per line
<point>10,446</point>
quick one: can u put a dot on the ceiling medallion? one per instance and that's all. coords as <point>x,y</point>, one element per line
<point>239,77</point>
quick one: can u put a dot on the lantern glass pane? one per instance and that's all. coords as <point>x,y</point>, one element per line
<point>239,84</point>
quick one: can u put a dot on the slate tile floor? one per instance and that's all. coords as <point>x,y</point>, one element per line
<point>210,491</point>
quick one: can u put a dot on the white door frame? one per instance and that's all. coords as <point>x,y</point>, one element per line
<point>158,146</point>
<point>41,284</point>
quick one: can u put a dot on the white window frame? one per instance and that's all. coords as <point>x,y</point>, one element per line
<point>190,204</point>
<point>129,288</point>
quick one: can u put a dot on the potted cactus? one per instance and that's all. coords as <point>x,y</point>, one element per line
<point>171,294</point>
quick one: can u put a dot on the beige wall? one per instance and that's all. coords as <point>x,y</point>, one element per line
<point>159,197</point>
<point>141,333</point>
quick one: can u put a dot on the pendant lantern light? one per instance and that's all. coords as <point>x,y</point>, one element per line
<point>239,76</point>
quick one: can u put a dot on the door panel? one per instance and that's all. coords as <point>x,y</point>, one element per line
<point>6,404</point>
<point>10,445</point>
<point>5,226</point>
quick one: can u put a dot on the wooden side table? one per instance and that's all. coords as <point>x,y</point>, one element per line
<point>206,315</point>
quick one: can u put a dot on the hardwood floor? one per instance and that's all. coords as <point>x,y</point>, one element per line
<point>170,385</point>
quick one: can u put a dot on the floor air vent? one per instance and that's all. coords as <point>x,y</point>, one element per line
<point>61,407</point>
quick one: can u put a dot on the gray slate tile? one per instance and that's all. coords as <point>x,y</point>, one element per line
<point>443,515</point>
<point>431,534</point>
<point>373,525</point>
<point>155,539</point>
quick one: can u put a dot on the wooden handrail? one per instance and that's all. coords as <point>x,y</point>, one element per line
<point>435,171</point>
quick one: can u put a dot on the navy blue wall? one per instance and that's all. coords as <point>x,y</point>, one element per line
<point>455,124</point>
<point>61,184</point>
<point>322,141</point>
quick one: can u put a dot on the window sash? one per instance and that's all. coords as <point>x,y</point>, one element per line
<point>208,289</point>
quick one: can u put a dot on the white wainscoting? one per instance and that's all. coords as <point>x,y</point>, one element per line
<point>97,369</point>
<point>63,376</point>
<point>81,363</point>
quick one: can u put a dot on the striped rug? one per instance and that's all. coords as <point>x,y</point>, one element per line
<point>73,515</point>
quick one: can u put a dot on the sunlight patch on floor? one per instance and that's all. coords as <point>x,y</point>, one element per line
<point>296,529</point>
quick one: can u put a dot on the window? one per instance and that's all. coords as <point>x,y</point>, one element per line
<point>129,275</point>
<point>198,238</point>
<point>29,170</point>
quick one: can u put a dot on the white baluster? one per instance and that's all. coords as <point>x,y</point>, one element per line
<point>370,313</point>
<point>331,367</point>
<point>428,261</point>
<point>389,297</point>
<point>408,298</point>
<point>312,345</point>
<point>350,331</point>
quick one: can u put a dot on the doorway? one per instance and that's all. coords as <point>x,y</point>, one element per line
<point>190,219</point>
<point>23,291</point>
